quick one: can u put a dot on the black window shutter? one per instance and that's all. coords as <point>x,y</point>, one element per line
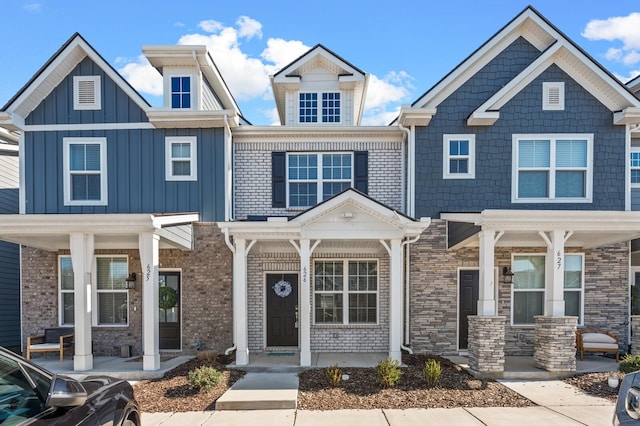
<point>361,171</point>
<point>278,179</point>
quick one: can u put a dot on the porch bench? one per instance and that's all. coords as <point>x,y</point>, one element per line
<point>53,340</point>
<point>594,340</point>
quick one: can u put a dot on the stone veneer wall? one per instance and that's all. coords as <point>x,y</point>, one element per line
<point>206,294</point>
<point>486,343</point>
<point>635,334</point>
<point>324,338</point>
<point>434,292</point>
<point>253,171</point>
<point>555,343</point>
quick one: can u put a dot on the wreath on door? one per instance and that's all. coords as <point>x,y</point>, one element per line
<point>167,297</point>
<point>282,288</point>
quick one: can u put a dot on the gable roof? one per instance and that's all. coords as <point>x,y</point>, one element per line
<point>348,76</point>
<point>51,74</point>
<point>634,85</point>
<point>556,48</point>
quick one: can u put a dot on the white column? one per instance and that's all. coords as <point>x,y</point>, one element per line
<point>148,244</point>
<point>554,303</point>
<point>82,247</point>
<point>304,310</point>
<point>240,311</point>
<point>395,300</point>
<point>486,294</point>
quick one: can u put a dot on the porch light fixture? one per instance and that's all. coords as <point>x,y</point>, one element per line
<point>507,275</point>
<point>131,281</point>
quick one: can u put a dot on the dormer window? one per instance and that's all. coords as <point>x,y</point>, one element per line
<point>181,92</point>
<point>329,110</point>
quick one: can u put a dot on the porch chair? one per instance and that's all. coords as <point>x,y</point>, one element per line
<point>595,340</point>
<point>53,340</point>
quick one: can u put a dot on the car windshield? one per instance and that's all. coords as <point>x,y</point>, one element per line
<point>23,391</point>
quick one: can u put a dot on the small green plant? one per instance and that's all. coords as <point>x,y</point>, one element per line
<point>432,372</point>
<point>388,373</point>
<point>334,375</point>
<point>629,364</point>
<point>204,378</point>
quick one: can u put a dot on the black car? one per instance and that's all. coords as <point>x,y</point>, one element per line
<point>31,395</point>
<point>628,402</point>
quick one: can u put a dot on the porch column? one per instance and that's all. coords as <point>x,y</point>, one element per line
<point>395,300</point>
<point>82,248</point>
<point>486,294</point>
<point>304,311</point>
<point>240,311</point>
<point>148,244</point>
<point>554,303</point>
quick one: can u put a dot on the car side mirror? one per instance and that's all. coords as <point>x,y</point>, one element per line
<point>65,392</point>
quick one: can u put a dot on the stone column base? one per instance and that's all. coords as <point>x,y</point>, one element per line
<point>555,343</point>
<point>486,343</point>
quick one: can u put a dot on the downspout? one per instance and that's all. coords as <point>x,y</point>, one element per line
<point>406,345</point>
<point>228,171</point>
<point>228,351</point>
<point>405,168</point>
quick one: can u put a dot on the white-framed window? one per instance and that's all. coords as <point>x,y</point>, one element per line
<point>65,300</point>
<point>553,96</point>
<point>87,93</point>
<point>315,177</point>
<point>528,288</point>
<point>574,286</point>
<point>112,296</point>
<point>552,168</point>
<point>459,152</point>
<point>181,97</point>
<point>322,106</point>
<point>634,164</point>
<point>85,171</point>
<point>181,158</point>
<point>346,291</point>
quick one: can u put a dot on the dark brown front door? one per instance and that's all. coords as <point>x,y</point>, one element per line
<point>469,287</point>
<point>169,315</point>
<point>282,302</point>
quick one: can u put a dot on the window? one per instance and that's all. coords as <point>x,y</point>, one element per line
<point>635,167</point>
<point>553,96</point>
<point>360,292</point>
<point>86,93</point>
<point>111,287</point>
<point>459,157</point>
<point>573,285</point>
<point>181,158</point>
<point>528,288</point>
<point>552,168</point>
<point>181,92</point>
<point>330,110</point>
<point>313,178</point>
<point>65,278</point>
<point>85,171</point>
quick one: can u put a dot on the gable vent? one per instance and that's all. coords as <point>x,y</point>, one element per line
<point>553,96</point>
<point>86,92</point>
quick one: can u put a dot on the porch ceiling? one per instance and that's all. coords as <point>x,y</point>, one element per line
<point>325,247</point>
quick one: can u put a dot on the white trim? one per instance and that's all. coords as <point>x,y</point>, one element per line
<point>513,286</point>
<point>553,138</point>
<point>319,180</point>
<point>61,322</point>
<point>471,157</point>
<point>96,96</point>
<point>547,90</point>
<point>87,126</point>
<point>94,292</point>
<point>193,159</point>
<point>102,142</point>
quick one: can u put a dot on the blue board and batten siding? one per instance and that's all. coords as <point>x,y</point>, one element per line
<point>135,158</point>
<point>523,114</point>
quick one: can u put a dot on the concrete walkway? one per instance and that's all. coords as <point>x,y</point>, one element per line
<point>559,404</point>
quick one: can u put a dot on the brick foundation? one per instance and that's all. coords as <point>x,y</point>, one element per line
<point>555,343</point>
<point>486,343</point>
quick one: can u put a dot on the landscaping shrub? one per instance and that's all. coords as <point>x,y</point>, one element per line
<point>388,373</point>
<point>432,372</point>
<point>629,364</point>
<point>204,378</point>
<point>334,375</point>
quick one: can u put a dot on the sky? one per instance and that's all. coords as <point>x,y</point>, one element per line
<point>406,46</point>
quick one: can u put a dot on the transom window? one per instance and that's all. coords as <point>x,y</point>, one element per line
<point>329,111</point>
<point>181,158</point>
<point>552,168</point>
<point>85,171</point>
<point>459,156</point>
<point>65,278</point>
<point>180,92</point>
<point>353,281</point>
<point>112,294</point>
<point>635,167</point>
<point>312,178</point>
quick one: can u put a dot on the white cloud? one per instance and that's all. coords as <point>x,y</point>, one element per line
<point>141,75</point>
<point>33,7</point>
<point>624,28</point>
<point>282,52</point>
<point>631,58</point>
<point>249,28</point>
<point>384,97</point>
<point>613,54</point>
<point>210,26</point>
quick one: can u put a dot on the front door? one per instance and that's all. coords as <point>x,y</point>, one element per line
<point>169,305</point>
<point>282,305</point>
<point>468,304</point>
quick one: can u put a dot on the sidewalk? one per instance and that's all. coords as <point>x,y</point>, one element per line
<point>559,404</point>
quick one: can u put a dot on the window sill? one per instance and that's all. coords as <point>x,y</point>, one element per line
<point>344,326</point>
